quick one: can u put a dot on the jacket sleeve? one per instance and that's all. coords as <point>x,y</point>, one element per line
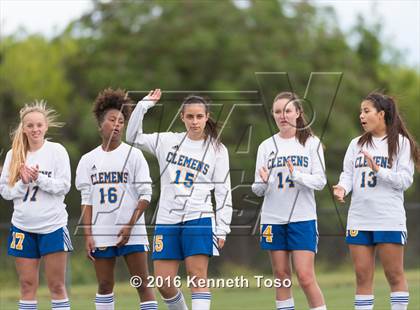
<point>142,182</point>
<point>222,192</point>
<point>84,183</point>
<point>346,176</point>
<point>134,133</point>
<point>259,187</point>
<point>402,177</point>
<point>316,179</point>
<point>61,182</point>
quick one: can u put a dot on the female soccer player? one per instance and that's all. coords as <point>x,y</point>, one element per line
<point>192,164</point>
<point>116,189</point>
<point>36,176</point>
<point>378,167</point>
<point>290,166</point>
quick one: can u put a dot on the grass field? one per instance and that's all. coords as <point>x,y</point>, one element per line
<point>338,288</point>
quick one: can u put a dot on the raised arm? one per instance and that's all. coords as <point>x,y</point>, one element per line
<point>134,133</point>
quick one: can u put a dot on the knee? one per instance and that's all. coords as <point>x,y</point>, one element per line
<point>57,288</point>
<point>394,277</point>
<point>197,276</point>
<point>363,275</point>
<point>197,272</point>
<point>305,278</point>
<point>28,286</point>
<point>164,290</point>
<point>165,283</point>
<point>167,291</point>
<point>105,287</point>
<point>144,288</point>
<point>282,273</point>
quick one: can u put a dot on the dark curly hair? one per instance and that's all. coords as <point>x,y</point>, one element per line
<point>112,99</point>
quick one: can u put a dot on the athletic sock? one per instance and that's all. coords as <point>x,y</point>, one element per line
<point>28,305</point>
<point>149,305</point>
<point>201,301</point>
<point>363,302</point>
<point>104,302</point>
<point>287,304</point>
<point>60,304</point>
<point>177,302</point>
<point>399,300</point>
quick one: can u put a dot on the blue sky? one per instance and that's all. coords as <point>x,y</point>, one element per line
<point>401,19</point>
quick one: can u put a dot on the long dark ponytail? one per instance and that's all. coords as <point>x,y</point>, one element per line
<point>303,131</point>
<point>394,127</point>
<point>211,130</point>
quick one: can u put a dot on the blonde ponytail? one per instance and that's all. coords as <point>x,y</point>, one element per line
<point>20,147</point>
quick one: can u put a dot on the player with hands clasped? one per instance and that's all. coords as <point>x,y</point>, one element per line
<point>36,176</point>
<point>378,167</point>
<point>116,189</point>
<point>290,166</point>
<point>191,163</point>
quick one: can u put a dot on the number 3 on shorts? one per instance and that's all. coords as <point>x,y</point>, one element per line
<point>20,237</point>
<point>158,243</point>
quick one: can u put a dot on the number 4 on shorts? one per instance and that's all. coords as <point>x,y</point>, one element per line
<point>267,234</point>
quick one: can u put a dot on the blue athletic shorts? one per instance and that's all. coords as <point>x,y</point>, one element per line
<point>178,241</point>
<point>363,237</point>
<point>113,251</point>
<point>290,237</point>
<point>32,245</point>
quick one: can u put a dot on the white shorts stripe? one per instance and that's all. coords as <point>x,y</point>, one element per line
<point>403,237</point>
<point>67,241</point>
<point>213,228</point>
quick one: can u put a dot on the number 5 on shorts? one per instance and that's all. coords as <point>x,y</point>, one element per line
<point>158,243</point>
<point>20,237</point>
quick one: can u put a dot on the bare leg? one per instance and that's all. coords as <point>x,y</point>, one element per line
<point>55,272</point>
<point>28,272</point>
<point>304,263</point>
<point>137,266</point>
<point>392,259</point>
<point>165,269</point>
<point>364,266</point>
<point>280,263</point>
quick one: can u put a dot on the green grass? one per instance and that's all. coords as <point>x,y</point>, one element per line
<point>338,288</point>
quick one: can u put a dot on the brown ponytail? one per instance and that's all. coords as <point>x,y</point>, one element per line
<point>394,127</point>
